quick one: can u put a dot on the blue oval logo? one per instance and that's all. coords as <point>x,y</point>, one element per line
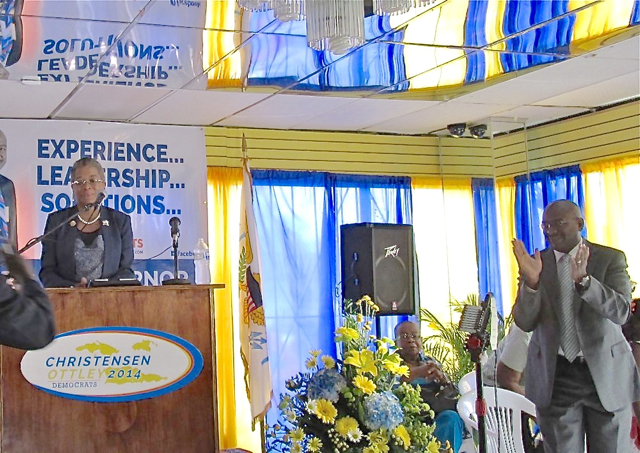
<point>112,364</point>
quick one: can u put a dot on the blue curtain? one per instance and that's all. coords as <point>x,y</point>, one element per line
<point>298,215</point>
<point>484,209</point>
<point>535,191</point>
<point>371,199</point>
<point>635,15</point>
<point>280,56</point>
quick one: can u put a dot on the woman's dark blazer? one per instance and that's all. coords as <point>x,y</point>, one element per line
<point>58,259</point>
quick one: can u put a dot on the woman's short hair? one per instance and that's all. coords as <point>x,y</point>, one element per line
<point>85,162</point>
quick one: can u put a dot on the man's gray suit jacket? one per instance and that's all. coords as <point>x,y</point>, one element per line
<point>600,312</point>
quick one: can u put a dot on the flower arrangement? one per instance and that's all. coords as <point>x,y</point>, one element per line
<point>357,405</point>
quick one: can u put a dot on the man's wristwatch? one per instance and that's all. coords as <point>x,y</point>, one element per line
<point>584,283</point>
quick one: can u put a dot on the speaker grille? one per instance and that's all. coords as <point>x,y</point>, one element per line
<point>377,259</point>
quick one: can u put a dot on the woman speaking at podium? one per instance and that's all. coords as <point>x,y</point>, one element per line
<point>97,243</point>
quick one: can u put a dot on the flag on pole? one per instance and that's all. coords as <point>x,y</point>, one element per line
<point>253,330</point>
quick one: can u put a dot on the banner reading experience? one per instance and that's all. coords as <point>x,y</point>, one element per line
<point>163,49</point>
<point>153,173</point>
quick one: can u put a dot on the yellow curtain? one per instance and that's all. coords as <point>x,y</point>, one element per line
<point>505,195</point>
<point>444,230</point>
<point>598,20</point>
<point>223,197</point>
<point>611,207</point>
<point>440,22</point>
<point>218,42</point>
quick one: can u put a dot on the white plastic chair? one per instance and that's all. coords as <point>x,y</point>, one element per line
<point>467,383</point>
<point>505,419</point>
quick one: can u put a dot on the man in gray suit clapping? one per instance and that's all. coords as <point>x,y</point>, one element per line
<point>574,296</point>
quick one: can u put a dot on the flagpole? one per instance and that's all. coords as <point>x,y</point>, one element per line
<point>263,430</point>
<point>244,149</point>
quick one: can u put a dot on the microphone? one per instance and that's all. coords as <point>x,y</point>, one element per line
<point>99,199</point>
<point>101,196</point>
<point>174,222</point>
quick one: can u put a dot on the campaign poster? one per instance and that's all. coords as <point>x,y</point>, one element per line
<point>153,173</point>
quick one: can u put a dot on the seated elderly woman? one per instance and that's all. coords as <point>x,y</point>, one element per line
<point>427,373</point>
<point>98,243</point>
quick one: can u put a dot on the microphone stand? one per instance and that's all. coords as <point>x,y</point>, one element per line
<point>474,320</point>
<point>37,240</point>
<point>175,280</point>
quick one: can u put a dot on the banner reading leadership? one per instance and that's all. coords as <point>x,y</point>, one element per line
<point>153,173</point>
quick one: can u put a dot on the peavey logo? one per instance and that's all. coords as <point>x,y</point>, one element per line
<point>112,364</point>
<point>392,251</point>
<point>187,3</point>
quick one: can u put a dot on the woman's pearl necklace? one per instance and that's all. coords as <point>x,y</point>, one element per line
<point>92,221</point>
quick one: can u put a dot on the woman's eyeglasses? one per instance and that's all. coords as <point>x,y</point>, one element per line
<point>406,336</point>
<point>93,182</point>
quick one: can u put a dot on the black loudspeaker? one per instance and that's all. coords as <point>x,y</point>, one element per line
<point>377,260</point>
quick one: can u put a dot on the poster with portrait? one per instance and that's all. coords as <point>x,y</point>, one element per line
<point>153,173</point>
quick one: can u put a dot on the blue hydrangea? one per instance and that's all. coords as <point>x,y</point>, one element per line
<point>326,384</point>
<point>382,410</point>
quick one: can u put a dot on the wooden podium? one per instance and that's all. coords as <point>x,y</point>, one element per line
<point>182,421</point>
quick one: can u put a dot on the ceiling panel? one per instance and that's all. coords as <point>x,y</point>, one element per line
<point>20,100</point>
<point>362,114</point>
<point>197,107</point>
<point>616,89</point>
<point>105,102</point>
<point>435,118</point>
<point>533,114</point>
<point>284,111</point>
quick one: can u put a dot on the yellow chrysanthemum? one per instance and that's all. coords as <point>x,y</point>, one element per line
<point>297,435</point>
<point>359,317</point>
<point>328,361</point>
<point>295,448</point>
<point>376,437</point>
<point>402,435</point>
<point>315,352</point>
<point>346,333</point>
<point>365,384</point>
<point>326,411</point>
<point>345,425</point>
<point>315,445</point>
<point>433,447</point>
<point>364,361</point>
<point>311,362</point>
<point>371,449</point>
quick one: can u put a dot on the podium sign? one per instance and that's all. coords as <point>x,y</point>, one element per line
<point>178,412</point>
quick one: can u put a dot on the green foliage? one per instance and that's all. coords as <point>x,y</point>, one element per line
<point>448,344</point>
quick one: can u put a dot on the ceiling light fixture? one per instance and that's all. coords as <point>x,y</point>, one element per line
<point>457,129</point>
<point>334,25</point>
<point>478,130</point>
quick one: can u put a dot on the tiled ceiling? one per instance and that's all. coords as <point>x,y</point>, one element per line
<point>276,86</point>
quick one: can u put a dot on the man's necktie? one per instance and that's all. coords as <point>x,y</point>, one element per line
<point>4,220</point>
<point>568,334</point>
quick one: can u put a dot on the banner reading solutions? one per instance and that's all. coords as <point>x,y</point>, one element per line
<point>153,173</point>
<point>163,49</point>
